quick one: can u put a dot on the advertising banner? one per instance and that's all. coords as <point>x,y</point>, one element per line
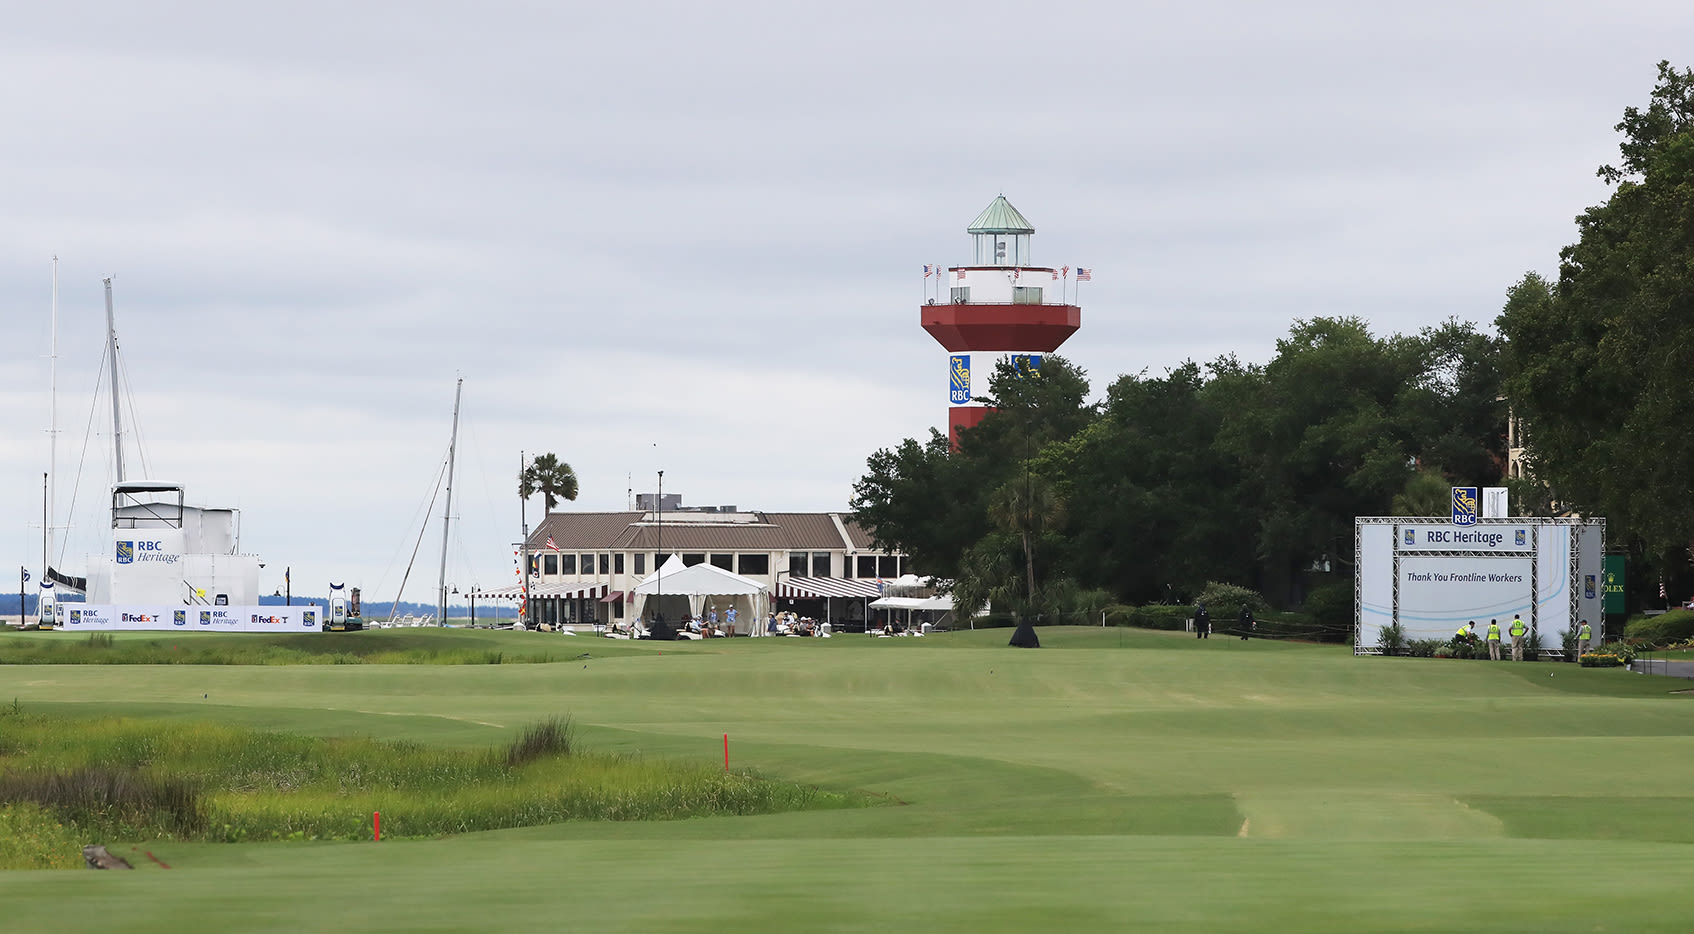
<point>959,378</point>
<point>1614,584</point>
<point>1512,538</point>
<point>100,617</point>
<point>1438,595</point>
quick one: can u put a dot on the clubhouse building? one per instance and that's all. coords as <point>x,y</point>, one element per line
<point>586,565</point>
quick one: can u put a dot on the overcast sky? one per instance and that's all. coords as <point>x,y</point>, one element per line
<point>690,236</point>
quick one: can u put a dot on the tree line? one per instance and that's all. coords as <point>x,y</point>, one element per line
<point>1252,474</point>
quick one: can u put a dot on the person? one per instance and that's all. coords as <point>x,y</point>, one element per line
<point>1493,640</point>
<point>1517,631</point>
<point>1584,640</point>
<point>1248,623</point>
<point>1202,621</point>
<point>1466,635</point>
<point>729,618</point>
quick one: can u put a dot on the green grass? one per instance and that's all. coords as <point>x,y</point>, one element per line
<point>1113,780</point>
<point>374,647</point>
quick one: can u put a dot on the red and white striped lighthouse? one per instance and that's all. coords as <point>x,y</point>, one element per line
<point>1000,303</point>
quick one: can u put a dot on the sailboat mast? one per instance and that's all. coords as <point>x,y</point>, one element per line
<point>52,428</point>
<point>447,514</point>
<point>112,355</point>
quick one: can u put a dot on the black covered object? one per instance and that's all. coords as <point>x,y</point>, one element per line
<point>1024,636</point>
<point>661,631</point>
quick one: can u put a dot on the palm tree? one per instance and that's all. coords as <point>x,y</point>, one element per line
<point>549,476</point>
<point>1027,507</point>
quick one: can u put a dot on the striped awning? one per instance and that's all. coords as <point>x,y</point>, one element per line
<point>548,591</point>
<point>827,587</point>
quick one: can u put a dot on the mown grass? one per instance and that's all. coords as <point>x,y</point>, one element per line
<point>118,778</point>
<point>375,648</point>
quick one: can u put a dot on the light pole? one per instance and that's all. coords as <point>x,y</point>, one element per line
<point>658,607</point>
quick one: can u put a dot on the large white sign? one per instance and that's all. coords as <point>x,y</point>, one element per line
<point>1430,576</point>
<point>1438,595</point>
<point>107,618</point>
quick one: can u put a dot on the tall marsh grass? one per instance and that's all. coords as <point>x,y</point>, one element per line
<point>100,648</point>
<point>114,778</point>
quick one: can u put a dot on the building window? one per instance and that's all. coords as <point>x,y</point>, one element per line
<point>727,562</point>
<point>587,565</point>
<point>640,564</point>
<point>617,563</point>
<point>820,564</point>
<point>689,561</point>
<point>797,563</point>
<point>605,565</point>
<point>847,566</point>
<point>888,566</point>
<point>867,566</point>
<point>961,294</point>
<point>550,564</point>
<point>1026,295</point>
<point>753,564</point>
<point>567,564</point>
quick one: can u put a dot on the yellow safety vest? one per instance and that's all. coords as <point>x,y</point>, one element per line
<point>1518,628</point>
<point>1586,633</point>
<point>1493,632</point>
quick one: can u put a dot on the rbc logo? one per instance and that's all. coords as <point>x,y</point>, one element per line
<point>959,379</point>
<point>309,618</point>
<point>126,552</point>
<point>179,617</point>
<point>1520,537</point>
<point>1411,537</point>
<point>76,617</point>
<point>1464,505</point>
<point>205,617</point>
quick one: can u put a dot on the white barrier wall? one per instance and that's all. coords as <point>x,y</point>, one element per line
<point>1431,576</point>
<point>112,618</point>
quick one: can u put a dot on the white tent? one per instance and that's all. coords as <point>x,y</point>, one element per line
<point>706,586</point>
<point>942,603</point>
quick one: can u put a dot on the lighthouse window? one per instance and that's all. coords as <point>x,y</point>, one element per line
<point>1026,295</point>
<point>962,294</point>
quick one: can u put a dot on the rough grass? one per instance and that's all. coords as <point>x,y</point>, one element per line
<point>33,838</point>
<point>193,648</point>
<point>119,778</point>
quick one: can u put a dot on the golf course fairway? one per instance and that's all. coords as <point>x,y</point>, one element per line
<point>1111,780</point>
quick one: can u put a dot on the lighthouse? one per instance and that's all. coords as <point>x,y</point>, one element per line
<point>999,304</point>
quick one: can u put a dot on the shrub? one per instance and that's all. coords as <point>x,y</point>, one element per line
<point>1392,640</point>
<point>1119,615</point>
<point>1425,648</point>
<point>1662,630</point>
<point>1331,606</point>
<point>1224,601</point>
<point>1567,640</point>
<point>32,838</point>
<point>1161,617</point>
<point>1603,660</point>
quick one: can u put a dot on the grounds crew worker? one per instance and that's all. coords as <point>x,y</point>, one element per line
<point>1465,636</point>
<point>1584,639</point>
<point>1517,631</point>
<point>1494,640</point>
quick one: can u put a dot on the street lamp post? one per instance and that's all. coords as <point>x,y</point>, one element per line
<point>658,607</point>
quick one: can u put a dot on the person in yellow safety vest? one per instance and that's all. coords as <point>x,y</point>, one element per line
<point>1466,634</point>
<point>1494,640</point>
<point>1518,629</point>
<point>1584,639</point>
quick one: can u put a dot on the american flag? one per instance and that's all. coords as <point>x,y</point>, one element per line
<point>1084,275</point>
<point>552,544</point>
<point>928,270</point>
<point>1067,270</point>
<point>1016,273</point>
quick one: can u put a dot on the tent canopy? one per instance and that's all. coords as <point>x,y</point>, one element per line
<point>942,603</point>
<point>702,581</point>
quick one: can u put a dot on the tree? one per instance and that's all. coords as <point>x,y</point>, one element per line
<point>1026,508</point>
<point>549,476</point>
<point>1598,362</point>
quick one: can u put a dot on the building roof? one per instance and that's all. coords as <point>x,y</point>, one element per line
<point>1000,217</point>
<point>683,531</point>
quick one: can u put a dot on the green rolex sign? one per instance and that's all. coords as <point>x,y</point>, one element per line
<point>1613,600</point>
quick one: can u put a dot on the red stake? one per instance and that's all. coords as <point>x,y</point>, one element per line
<point>726,752</point>
<point>376,824</point>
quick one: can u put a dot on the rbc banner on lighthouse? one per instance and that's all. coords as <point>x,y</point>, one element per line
<point>959,378</point>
